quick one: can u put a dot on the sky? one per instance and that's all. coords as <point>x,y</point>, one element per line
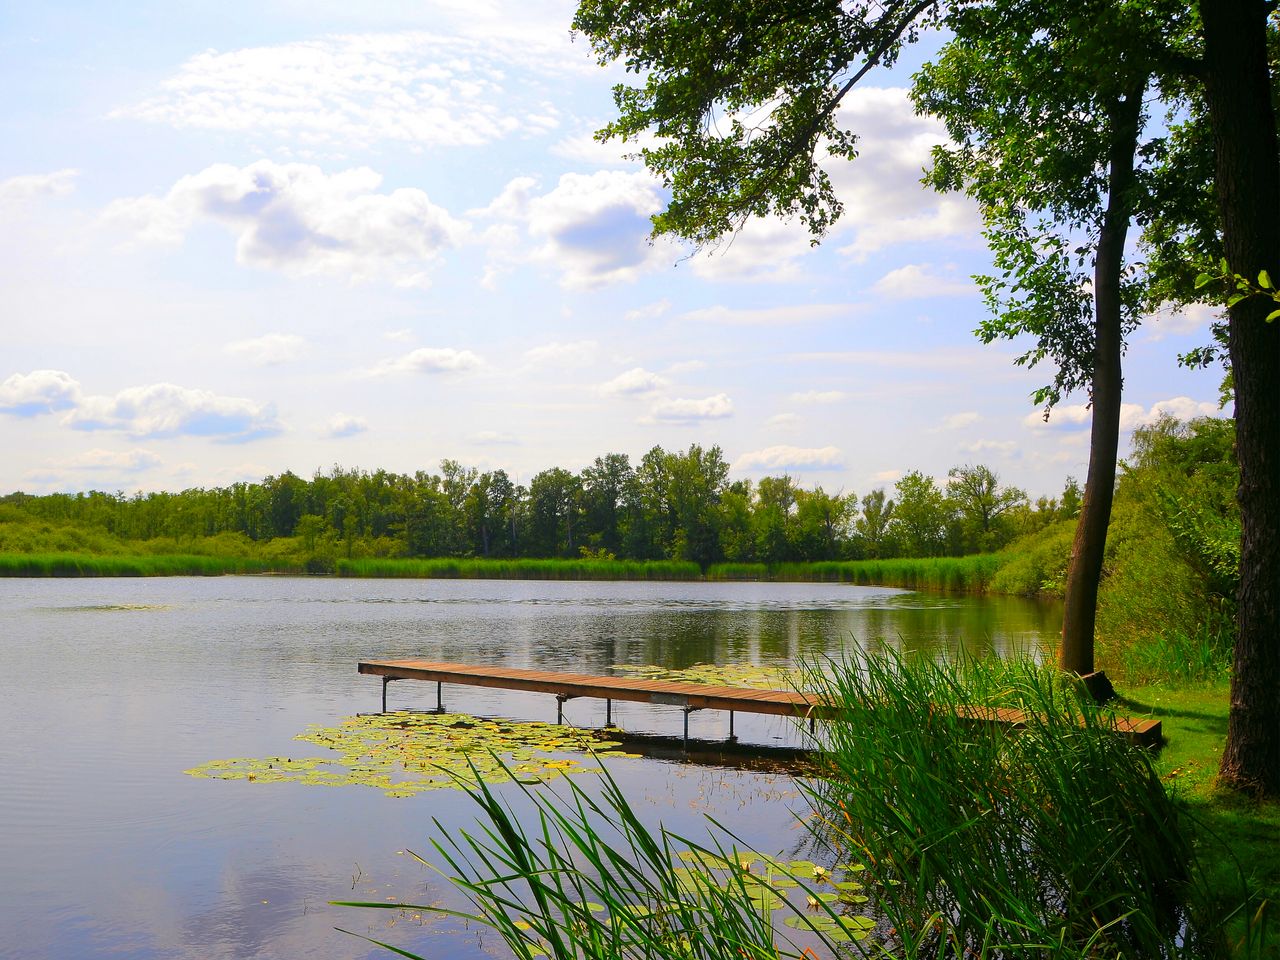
<point>243,238</point>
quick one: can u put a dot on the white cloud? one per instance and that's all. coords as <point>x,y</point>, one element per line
<point>403,335</point>
<point>269,350</point>
<point>1183,408</point>
<point>167,410</point>
<point>650,311</point>
<point>357,90</point>
<point>115,461</point>
<point>765,250</point>
<point>28,187</point>
<point>594,228</point>
<point>512,201</point>
<point>40,391</point>
<point>953,358</point>
<point>1006,448</point>
<point>680,410</point>
<point>633,382</point>
<point>579,353</point>
<point>1192,319</point>
<point>819,396</point>
<point>783,420</point>
<point>950,217</point>
<point>495,438</point>
<point>297,219</point>
<point>1071,415</point>
<point>791,458</point>
<point>584,148</point>
<point>783,316</point>
<point>1132,415</point>
<point>187,473</point>
<point>340,425</point>
<point>427,360</point>
<point>886,476</point>
<point>885,203</point>
<point>916,281</point>
<point>686,366</point>
<point>963,419</point>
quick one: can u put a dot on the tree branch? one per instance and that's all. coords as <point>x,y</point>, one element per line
<point>808,136</point>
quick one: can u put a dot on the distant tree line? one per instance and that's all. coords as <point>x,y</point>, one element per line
<point>669,505</point>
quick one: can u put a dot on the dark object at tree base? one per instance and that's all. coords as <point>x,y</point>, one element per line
<point>1099,687</point>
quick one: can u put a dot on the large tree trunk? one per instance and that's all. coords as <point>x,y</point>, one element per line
<point>1089,546</point>
<point>1238,89</point>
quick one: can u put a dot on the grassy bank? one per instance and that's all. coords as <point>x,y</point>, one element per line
<point>971,574</point>
<point>142,565</point>
<point>1239,837</point>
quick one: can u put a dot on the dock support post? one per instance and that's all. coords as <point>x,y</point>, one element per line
<point>813,724</point>
<point>608,712</point>
<point>560,699</point>
<point>687,711</point>
<point>731,736</point>
<point>385,681</point>
<point>439,697</point>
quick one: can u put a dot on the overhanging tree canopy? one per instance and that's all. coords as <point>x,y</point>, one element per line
<point>743,98</point>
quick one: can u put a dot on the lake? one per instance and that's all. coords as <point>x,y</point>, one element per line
<point>111,688</point>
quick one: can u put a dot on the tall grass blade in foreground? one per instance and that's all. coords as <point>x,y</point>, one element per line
<point>584,878</point>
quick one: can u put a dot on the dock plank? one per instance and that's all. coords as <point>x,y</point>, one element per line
<point>690,696</point>
<point>698,696</point>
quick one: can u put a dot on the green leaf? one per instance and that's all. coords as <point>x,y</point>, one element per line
<point>1264,280</point>
<point>1203,280</point>
<point>1272,315</point>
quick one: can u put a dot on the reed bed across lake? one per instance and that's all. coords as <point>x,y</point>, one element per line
<point>972,574</point>
<point>520,569</point>
<point>139,565</point>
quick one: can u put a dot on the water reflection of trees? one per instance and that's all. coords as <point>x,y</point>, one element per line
<point>596,641</point>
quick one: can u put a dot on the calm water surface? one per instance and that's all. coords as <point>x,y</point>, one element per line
<point>109,689</point>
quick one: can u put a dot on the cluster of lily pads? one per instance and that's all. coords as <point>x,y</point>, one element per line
<point>771,883</point>
<point>755,676</point>
<point>406,753</point>
<point>813,894</point>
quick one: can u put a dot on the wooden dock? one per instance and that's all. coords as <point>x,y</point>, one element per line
<point>687,696</point>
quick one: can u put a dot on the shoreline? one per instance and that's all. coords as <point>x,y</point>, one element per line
<point>971,574</point>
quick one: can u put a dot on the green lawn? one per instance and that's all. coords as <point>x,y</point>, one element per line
<point>1238,837</point>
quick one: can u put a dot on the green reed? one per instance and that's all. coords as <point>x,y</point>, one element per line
<point>1057,841</point>
<point>143,565</point>
<point>971,574</point>
<point>583,877</point>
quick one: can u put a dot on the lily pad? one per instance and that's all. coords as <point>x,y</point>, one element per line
<point>721,675</point>
<point>836,929</point>
<point>407,753</point>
